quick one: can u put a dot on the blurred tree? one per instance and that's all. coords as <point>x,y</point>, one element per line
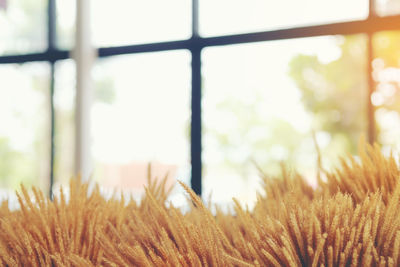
<point>23,30</point>
<point>336,99</point>
<point>253,137</point>
<point>386,70</point>
<point>104,90</point>
<point>13,164</point>
<point>386,98</point>
<point>23,26</point>
<point>334,92</point>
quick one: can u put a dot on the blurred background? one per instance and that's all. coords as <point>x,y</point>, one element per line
<point>202,89</point>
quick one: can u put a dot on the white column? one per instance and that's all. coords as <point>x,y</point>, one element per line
<point>84,55</point>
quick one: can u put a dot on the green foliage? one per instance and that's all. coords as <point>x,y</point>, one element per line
<point>14,166</point>
<point>335,92</point>
<point>104,91</point>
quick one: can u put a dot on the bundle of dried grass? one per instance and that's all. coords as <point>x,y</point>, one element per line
<point>351,219</point>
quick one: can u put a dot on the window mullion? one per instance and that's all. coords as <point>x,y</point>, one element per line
<point>196,138</point>
<point>371,127</point>
<point>196,146</point>
<point>51,25</point>
<point>371,8</point>
<point>371,131</point>
<point>51,46</point>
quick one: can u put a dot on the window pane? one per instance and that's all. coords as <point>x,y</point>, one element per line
<point>262,102</point>
<point>238,16</point>
<point>25,130</point>
<point>64,103</point>
<point>387,7</point>
<point>23,26</point>
<point>141,114</point>
<point>386,98</point>
<point>133,21</point>
<point>65,24</point>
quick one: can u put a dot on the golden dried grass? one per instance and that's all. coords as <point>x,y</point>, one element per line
<point>351,219</point>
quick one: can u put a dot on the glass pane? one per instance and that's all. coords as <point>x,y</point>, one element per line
<point>141,114</point>
<point>387,7</point>
<point>65,24</point>
<point>263,101</point>
<point>64,103</point>
<point>238,16</point>
<point>25,130</point>
<point>133,21</point>
<point>23,26</point>
<point>386,98</point>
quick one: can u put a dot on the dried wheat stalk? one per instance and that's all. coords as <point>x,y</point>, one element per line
<point>349,220</point>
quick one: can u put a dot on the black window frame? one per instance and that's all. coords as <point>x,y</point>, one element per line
<point>372,24</point>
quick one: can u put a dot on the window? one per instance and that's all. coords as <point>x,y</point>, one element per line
<point>386,98</point>
<point>140,21</point>
<point>24,135</point>
<point>65,23</point>
<point>228,82</point>
<point>387,7</point>
<point>241,16</point>
<point>23,27</point>
<point>141,115</point>
<point>64,128</point>
<point>269,98</point>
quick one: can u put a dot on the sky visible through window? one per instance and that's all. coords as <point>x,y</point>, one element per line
<point>223,17</point>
